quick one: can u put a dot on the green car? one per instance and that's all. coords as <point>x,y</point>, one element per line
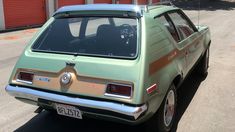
<point>120,63</point>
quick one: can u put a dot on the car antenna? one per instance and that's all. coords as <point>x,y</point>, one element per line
<point>199,9</point>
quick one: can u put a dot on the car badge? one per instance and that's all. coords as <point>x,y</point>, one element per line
<point>43,79</point>
<point>66,78</point>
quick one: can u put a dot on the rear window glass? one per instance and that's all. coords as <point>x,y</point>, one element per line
<point>93,36</point>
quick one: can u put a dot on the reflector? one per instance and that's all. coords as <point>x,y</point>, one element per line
<point>151,88</point>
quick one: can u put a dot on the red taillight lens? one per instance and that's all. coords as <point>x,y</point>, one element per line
<point>123,90</point>
<point>25,76</point>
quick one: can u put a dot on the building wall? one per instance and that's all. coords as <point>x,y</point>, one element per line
<point>51,6</point>
<point>2,19</point>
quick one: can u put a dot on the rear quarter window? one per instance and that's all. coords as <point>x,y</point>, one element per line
<point>184,27</point>
<point>169,26</point>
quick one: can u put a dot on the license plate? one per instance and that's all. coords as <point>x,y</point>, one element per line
<point>67,110</point>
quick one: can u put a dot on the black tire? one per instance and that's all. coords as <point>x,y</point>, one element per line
<point>203,65</point>
<point>157,122</point>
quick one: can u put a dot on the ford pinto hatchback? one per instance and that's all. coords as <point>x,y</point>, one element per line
<point>121,63</point>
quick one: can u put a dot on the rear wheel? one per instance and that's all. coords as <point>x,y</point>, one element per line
<point>163,120</point>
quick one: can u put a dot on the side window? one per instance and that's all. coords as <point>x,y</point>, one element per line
<point>170,27</point>
<point>93,24</point>
<point>182,25</point>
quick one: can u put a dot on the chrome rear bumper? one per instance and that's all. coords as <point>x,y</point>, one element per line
<point>35,95</point>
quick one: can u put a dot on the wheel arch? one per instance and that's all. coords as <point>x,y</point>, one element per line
<point>177,81</point>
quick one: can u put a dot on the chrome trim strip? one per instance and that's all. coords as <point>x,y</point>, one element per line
<point>117,96</point>
<point>22,81</point>
<point>34,95</point>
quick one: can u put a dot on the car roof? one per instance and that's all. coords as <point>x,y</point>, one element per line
<point>139,9</point>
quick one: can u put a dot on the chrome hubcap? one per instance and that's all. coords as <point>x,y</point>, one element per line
<point>169,108</point>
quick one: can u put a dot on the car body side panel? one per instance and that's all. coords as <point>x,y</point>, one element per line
<point>166,59</point>
<point>195,49</point>
<point>205,32</point>
<point>189,48</point>
<point>160,68</point>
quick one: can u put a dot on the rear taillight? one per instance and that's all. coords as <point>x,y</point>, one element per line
<point>119,90</point>
<point>25,77</point>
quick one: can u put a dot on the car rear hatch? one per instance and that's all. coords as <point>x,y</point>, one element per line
<point>85,56</point>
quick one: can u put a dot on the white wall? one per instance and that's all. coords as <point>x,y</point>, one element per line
<point>135,1</point>
<point>2,19</point>
<point>50,4</point>
<point>89,1</point>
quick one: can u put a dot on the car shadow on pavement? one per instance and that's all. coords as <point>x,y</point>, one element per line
<point>185,95</point>
<point>47,122</point>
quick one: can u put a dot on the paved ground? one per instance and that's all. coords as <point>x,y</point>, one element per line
<point>205,105</point>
